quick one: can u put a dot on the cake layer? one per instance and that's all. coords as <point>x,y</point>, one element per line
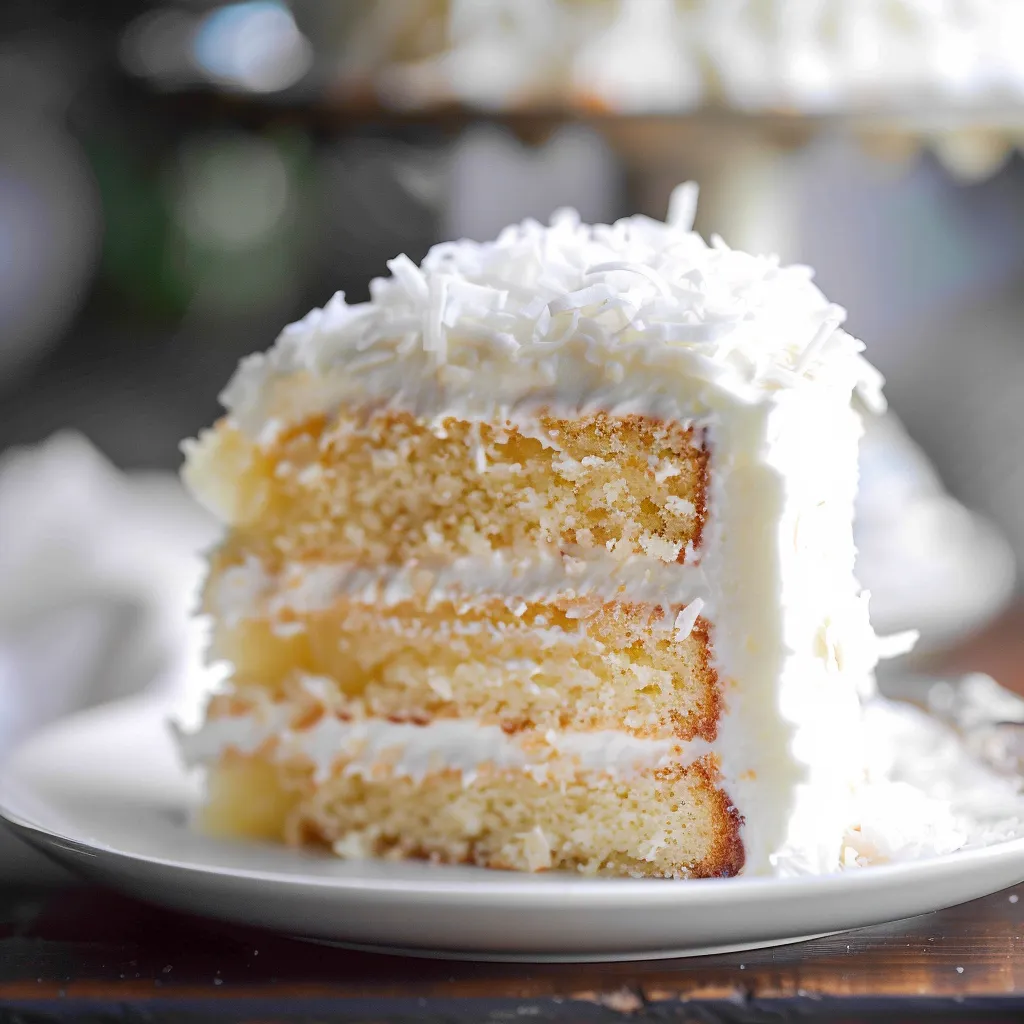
<point>563,663</point>
<point>386,487</point>
<point>459,791</point>
<point>666,822</point>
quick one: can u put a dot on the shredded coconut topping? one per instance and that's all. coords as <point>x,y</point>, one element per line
<point>616,315</point>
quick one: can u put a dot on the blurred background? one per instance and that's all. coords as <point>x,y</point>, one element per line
<point>178,180</point>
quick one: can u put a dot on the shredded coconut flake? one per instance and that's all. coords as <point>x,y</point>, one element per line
<point>658,547</point>
<point>682,206</point>
<point>617,315</point>
<point>680,506</point>
<point>687,618</point>
<point>537,850</point>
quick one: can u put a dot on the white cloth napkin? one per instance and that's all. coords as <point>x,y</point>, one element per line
<point>99,573</point>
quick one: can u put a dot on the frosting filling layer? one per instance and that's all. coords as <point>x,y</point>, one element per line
<point>415,750</point>
<point>249,590</point>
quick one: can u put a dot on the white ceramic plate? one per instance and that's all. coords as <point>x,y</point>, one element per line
<point>103,793</point>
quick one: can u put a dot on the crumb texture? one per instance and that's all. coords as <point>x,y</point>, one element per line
<point>562,664</point>
<point>312,506</point>
<point>667,823</point>
<point>386,488</point>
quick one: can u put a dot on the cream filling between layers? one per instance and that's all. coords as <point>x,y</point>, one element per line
<point>368,745</point>
<point>248,590</point>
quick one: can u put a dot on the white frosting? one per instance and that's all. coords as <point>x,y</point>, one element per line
<point>789,624</point>
<point>365,745</point>
<point>637,317</point>
<point>248,590</point>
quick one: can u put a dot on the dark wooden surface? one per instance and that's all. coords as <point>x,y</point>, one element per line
<point>997,650</point>
<point>77,953</point>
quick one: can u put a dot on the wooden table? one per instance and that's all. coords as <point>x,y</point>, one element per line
<point>84,953</point>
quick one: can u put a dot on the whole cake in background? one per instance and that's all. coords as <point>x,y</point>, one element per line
<point>658,55</point>
<point>542,559</point>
